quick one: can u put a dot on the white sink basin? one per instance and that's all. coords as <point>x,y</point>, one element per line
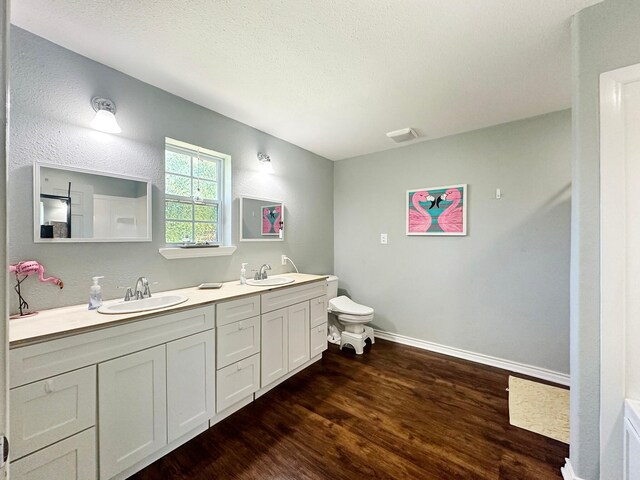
<point>133,306</point>
<point>271,282</point>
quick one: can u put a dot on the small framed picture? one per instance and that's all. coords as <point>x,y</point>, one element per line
<point>271,218</point>
<point>437,210</point>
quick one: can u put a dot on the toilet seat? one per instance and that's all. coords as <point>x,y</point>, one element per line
<point>345,317</point>
<point>350,310</point>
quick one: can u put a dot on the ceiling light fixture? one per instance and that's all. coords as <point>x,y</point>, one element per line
<point>402,135</point>
<point>105,119</point>
<point>265,162</point>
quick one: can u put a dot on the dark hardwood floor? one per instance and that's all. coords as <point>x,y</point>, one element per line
<point>394,412</point>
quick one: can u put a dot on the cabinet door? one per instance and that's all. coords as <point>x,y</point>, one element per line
<point>298,335</point>
<point>71,459</point>
<point>229,312</point>
<point>132,409</point>
<point>49,410</point>
<point>318,339</point>
<point>318,311</point>
<point>190,383</point>
<point>237,340</point>
<point>237,381</point>
<point>273,346</point>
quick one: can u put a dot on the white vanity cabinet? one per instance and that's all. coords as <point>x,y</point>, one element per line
<point>191,399</point>
<point>318,325</point>
<point>287,335</point>
<point>238,347</point>
<point>155,383</point>
<point>71,459</point>
<point>151,398</point>
<point>275,353</point>
<point>104,403</point>
<point>49,410</point>
<point>285,341</point>
<point>132,409</point>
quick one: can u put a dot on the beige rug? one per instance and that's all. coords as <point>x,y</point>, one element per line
<point>539,408</point>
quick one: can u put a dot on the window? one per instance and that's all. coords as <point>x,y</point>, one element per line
<point>194,184</point>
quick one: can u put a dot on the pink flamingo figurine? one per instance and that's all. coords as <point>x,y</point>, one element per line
<point>276,224</point>
<point>28,268</point>
<point>419,219</point>
<point>451,219</point>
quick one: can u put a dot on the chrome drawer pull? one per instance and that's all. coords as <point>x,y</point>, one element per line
<point>48,386</point>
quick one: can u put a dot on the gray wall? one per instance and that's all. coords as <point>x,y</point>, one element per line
<point>605,37</point>
<point>502,290</point>
<point>51,89</point>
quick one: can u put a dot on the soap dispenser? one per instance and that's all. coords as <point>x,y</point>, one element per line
<point>243,274</point>
<point>95,294</point>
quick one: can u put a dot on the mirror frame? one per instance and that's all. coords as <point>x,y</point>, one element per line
<point>36,200</point>
<point>272,239</point>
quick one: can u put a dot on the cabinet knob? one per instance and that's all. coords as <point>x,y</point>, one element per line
<point>240,325</point>
<point>239,365</point>
<point>320,329</point>
<point>48,386</point>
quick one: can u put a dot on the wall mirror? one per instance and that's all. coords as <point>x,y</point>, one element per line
<point>76,205</point>
<point>261,220</point>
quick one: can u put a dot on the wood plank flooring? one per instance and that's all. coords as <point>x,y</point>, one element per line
<point>394,412</point>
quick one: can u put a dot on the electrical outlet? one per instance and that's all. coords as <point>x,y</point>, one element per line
<point>383,238</point>
<point>283,259</point>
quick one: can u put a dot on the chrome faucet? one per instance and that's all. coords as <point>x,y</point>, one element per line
<point>142,289</point>
<point>262,273</point>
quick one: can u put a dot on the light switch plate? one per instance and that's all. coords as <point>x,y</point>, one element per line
<point>383,238</point>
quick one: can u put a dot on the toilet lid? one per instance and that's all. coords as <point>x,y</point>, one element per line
<point>344,304</point>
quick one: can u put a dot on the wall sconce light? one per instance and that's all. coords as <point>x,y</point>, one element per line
<point>265,162</point>
<point>105,119</point>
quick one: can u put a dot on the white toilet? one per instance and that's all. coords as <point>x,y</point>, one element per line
<point>348,318</point>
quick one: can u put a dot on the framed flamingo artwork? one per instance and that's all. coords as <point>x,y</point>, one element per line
<point>437,210</point>
<point>271,218</point>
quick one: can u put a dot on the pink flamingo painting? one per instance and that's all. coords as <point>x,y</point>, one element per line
<point>276,224</point>
<point>419,219</point>
<point>266,222</point>
<point>451,219</point>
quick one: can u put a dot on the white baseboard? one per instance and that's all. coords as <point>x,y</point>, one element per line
<point>567,471</point>
<point>537,372</point>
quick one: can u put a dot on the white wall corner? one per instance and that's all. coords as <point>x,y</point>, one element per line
<point>504,364</point>
<point>567,471</point>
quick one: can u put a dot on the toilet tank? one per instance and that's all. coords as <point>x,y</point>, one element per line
<point>332,287</point>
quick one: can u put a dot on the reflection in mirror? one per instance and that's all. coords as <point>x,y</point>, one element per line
<point>76,205</point>
<point>261,219</point>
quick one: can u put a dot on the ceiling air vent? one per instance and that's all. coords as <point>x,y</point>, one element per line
<point>403,135</point>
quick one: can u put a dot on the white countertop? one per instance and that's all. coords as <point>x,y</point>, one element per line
<point>65,321</point>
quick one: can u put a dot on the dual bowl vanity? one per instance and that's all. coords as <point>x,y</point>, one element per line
<point>102,396</point>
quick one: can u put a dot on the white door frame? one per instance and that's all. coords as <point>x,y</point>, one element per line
<point>4,266</point>
<point>614,194</point>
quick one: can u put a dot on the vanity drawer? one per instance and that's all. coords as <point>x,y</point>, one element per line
<point>237,340</point>
<point>237,381</point>
<point>318,310</point>
<point>70,459</point>
<point>229,312</point>
<point>49,410</point>
<point>289,296</point>
<point>318,339</point>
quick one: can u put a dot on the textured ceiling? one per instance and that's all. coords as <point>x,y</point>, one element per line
<point>332,76</point>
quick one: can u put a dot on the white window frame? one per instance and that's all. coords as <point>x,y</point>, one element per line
<point>223,181</point>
